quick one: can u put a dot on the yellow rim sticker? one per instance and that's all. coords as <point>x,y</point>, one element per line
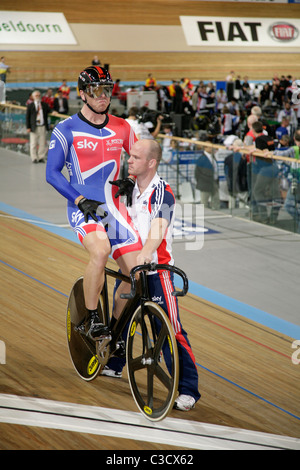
<point>69,324</point>
<point>133,328</point>
<point>147,410</point>
<point>170,344</point>
<point>92,365</point>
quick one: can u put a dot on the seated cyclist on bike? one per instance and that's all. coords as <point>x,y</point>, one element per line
<point>89,145</point>
<point>152,213</point>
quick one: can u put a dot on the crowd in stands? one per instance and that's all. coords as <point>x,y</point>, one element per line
<point>245,119</point>
<point>241,116</point>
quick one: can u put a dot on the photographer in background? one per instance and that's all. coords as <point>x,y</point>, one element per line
<point>149,123</point>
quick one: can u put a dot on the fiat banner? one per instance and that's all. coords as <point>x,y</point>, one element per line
<point>245,32</point>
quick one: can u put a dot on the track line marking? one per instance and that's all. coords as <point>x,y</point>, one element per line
<point>129,425</point>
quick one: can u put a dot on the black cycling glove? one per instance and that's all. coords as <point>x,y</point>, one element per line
<point>125,188</point>
<point>90,208</point>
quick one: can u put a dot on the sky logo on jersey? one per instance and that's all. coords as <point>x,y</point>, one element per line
<point>85,144</point>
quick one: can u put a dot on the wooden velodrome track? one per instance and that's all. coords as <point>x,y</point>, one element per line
<point>246,376</point>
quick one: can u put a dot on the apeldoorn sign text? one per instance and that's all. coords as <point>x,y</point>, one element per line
<point>21,27</point>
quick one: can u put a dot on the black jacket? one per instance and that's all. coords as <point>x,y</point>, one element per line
<point>31,115</point>
<point>65,105</point>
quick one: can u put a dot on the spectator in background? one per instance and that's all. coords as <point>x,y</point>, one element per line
<point>37,125</point>
<point>177,105</point>
<point>65,89</point>
<point>29,99</point>
<point>235,168</point>
<point>283,129</point>
<point>150,83</point>
<point>246,89</point>
<point>287,111</point>
<point>4,69</point>
<point>264,96</point>
<point>238,87</point>
<point>117,92</point>
<point>265,182</point>
<point>230,81</point>
<point>49,98</point>
<point>250,137</point>
<point>221,99</point>
<point>202,98</point>
<point>61,104</point>
<point>133,121</point>
<point>206,175</point>
<point>292,200</point>
<point>149,128</point>
<point>96,61</point>
<point>226,121</point>
<point>284,142</point>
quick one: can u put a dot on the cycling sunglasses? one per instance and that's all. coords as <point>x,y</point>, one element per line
<point>95,91</point>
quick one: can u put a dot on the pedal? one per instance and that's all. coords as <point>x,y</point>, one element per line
<point>120,350</point>
<point>80,328</point>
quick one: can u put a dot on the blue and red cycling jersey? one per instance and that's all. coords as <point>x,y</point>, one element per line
<point>92,156</point>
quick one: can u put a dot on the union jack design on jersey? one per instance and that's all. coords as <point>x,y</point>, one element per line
<point>92,157</point>
<point>157,201</point>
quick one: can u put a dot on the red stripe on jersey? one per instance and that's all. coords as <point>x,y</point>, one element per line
<point>167,286</point>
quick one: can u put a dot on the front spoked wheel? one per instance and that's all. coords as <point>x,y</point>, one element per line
<point>152,361</point>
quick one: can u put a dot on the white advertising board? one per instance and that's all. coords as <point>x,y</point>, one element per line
<point>23,27</point>
<point>245,32</point>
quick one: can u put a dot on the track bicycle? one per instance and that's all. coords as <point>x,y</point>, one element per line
<point>150,348</point>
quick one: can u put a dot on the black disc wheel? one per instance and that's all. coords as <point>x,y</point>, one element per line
<point>83,350</point>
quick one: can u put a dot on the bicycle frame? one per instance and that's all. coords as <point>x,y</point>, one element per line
<point>139,294</point>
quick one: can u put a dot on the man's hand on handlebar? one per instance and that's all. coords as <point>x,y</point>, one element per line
<point>144,258</point>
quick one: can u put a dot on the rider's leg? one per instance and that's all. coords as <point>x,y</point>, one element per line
<point>97,245</point>
<point>126,262</point>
